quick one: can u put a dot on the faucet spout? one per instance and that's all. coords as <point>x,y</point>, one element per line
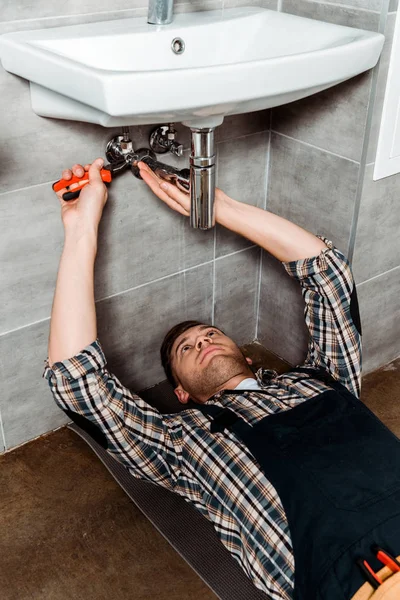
<point>160,12</point>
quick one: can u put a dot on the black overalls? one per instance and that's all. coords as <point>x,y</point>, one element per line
<point>336,469</point>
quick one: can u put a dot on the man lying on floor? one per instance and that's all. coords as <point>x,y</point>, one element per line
<point>298,477</point>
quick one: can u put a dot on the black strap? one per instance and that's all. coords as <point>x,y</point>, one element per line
<point>225,418</point>
<point>322,375</point>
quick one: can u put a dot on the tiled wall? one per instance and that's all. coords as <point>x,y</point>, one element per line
<point>322,156</point>
<point>152,270</point>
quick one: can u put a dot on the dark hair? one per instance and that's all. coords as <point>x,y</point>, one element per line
<point>168,342</point>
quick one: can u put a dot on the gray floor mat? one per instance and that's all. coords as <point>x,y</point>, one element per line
<point>191,534</point>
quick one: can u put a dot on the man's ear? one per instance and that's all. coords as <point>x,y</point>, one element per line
<point>181,394</point>
<point>249,360</point>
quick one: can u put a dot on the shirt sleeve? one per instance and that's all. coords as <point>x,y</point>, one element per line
<point>331,314</point>
<point>137,434</point>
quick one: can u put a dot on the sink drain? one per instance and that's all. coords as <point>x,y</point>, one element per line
<point>178,45</point>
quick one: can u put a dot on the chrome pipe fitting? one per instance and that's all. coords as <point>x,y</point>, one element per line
<point>202,179</point>
<point>178,177</point>
<point>198,181</point>
<point>163,139</point>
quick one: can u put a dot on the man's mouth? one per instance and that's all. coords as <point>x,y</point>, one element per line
<point>207,351</point>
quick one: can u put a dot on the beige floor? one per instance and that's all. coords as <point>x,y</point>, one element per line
<point>68,532</point>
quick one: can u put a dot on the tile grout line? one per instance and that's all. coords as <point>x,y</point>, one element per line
<point>26,187</point>
<point>223,141</point>
<point>3,434</point>
<point>265,208</point>
<point>258,293</point>
<point>213,279</point>
<point>74,15</point>
<point>139,286</point>
<point>315,147</point>
<point>343,6</point>
<point>365,148</point>
<point>376,276</point>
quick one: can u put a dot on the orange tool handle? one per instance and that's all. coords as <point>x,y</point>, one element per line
<point>388,560</point>
<point>106,176</point>
<point>369,573</point>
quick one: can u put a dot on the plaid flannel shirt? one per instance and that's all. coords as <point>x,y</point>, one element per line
<point>216,472</point>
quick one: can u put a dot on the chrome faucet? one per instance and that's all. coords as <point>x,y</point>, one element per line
<point>160,12</point>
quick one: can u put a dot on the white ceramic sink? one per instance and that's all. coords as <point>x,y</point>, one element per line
<point>237,60</point>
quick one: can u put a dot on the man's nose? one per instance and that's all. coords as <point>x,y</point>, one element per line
<point>202,341</point>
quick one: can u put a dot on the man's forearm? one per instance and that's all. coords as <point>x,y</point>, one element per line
<point>73,317</point>
<point>278,236</point>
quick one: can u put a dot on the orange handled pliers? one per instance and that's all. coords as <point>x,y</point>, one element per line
<point>107,173</point>
<point>385,558</point>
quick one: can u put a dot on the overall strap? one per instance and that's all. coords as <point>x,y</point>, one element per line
<point>222,417</point>
<point>324,376</point>
<point>225,418</point>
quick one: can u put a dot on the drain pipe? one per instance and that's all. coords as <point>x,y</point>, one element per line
<point>202,178</point>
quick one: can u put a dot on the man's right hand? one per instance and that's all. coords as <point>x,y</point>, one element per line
<point>167,192</point>
<point>84,213</point>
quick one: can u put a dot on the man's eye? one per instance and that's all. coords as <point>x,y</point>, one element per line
<point>210,332</point>
<point>184,348</point>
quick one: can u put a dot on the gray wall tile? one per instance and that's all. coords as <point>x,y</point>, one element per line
<point>181,6</point>
<point>73,19</point>
<point>236,285</point>
<point>20,10</point>
<point>340,15</point>
<point>333,119</point>
<point>130,328</point>
<point>235,126</point>
<point>144,239</point>
<point>282,328</point>
<point>242,170</point>
<point>380,319</point>
<point>383,67</point>
<point>281,325</point>
<point>374,5</point>
<point>377,243</point>
<point>37,148</point>
<point>65,19</point>
<point>30,250</point>
<point>312,188</point>
<point>393,5</point>
<point>140,239</point>
<point>26,406</point>
<point>269,4</point>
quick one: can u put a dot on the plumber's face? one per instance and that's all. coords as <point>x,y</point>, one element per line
<point>203,359</point>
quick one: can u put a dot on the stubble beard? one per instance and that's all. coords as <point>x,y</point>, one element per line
<point>220,369</point>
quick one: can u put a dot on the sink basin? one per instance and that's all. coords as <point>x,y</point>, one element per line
<point>125,72</point>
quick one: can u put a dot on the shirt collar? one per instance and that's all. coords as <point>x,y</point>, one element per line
<point>263,376</point>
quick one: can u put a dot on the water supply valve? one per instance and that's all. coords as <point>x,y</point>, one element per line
<point>163,139</point>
